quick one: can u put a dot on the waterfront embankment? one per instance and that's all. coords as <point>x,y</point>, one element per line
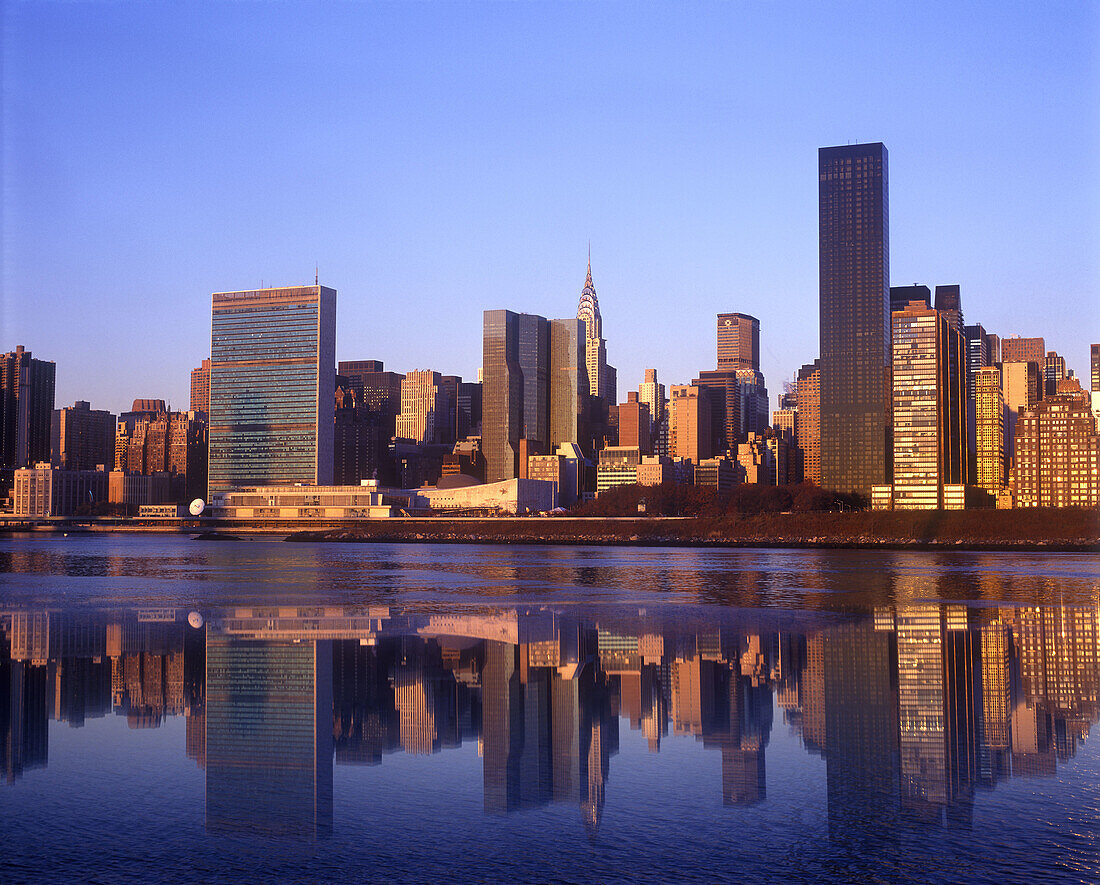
<point>1065,530</point>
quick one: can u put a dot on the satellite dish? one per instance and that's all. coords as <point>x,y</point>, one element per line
<point>195,620</point>
<point>197,507</point>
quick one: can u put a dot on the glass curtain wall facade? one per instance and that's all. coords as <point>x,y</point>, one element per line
<point>854,276</point>
<point>568,382</point>
<point>515,390</point>
<point>272,381</point>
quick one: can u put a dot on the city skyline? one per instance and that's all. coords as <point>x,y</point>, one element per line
<point>698,197</point>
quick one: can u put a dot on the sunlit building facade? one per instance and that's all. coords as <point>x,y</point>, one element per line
<point>989,427</point>
<point>929,407</point>
<point>1058,451</point>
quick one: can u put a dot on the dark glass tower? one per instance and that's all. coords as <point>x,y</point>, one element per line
<point>854,268</point>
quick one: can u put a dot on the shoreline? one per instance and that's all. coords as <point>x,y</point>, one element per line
<point>1067,531</point>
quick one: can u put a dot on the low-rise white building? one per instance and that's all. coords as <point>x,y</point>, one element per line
<point>303,502</point>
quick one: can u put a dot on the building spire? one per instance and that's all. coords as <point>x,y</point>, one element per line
<point>588,277</point>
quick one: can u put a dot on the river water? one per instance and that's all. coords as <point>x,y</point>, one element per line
<point>183,710</point>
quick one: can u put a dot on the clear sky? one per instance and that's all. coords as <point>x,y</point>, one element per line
<point>439,159</point>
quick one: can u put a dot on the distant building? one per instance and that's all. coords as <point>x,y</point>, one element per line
<point>989,411</point>
<point>738,341</point>
<point>515,392</point>
<point>200,388</point>
<point>424,408</point>
<point>717,473</point>
<point>728,423</point>
<point>601,376</point>
<point>513,496</point>
<point>949,303</point>
<point>1094,363</point>
<point>26,408</point>
<point>1054,371</point>
<point>809,421</point>
<point>652,393</point>
<point>272,358</point>
<point>618,466</point>
<point>657,469</point>
<point>755,464</point>
<point>174,443</point>
<point>82,438</point>
<point>854,273</point>
<point>634,424</point>
<point>569,384</point>
<point>690,435</point>
<point>1023,350</point>
<point>929,407</point>
<point>44,490</point>
<point>1021,386</point>
<point>1058,451</point>
<point>297,502</point>
<point>902,296</point>
<point>138,490</point>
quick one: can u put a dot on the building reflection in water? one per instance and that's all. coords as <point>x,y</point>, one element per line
<point>914,707</point>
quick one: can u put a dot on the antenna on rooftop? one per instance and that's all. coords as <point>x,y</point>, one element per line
<point>316,275</point>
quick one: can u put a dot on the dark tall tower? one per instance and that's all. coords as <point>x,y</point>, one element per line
<point>26,408</point>
<point>854,256</point>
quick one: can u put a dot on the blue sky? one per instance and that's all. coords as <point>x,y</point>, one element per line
<point>439,159</point>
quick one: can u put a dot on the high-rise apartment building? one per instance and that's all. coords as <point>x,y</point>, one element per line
<point>652,393</point>
<point>929,407</point>
<point>200,388</point>
<point>1023,350</point>
<point>26,408</point>
<point>1058,451</point>
<point>727,412</point>
<point>82,438</point>
<point>1021,385</point>
<point>272,357</point>
<point>634,424</point>
<point>989,426</point>
<point>424,409</point>
<point>738,341</point>
<point>164,442</point>
<point>854,276</point>
<point>808,431</point>
<point>689,412</point>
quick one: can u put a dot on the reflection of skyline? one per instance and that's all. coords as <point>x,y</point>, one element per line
<point>914,708</point>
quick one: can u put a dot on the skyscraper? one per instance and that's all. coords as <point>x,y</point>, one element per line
<point>423,408</point>
<point>1054,370</point>
<point>568,382</point>
<point>200,388</point>
<point>989,426</point>
<point>516,402</point>
<point>652,393</point>
<point>601,376</point>
<point>26,408</point>
<point>82,438</point>
<point>689,413</point>
<point>809,421</point>
<point>1094,364</point>
<point>272,378</point>
<point>929,407</point>
<point>854,275</point>
<point>738,341</point>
